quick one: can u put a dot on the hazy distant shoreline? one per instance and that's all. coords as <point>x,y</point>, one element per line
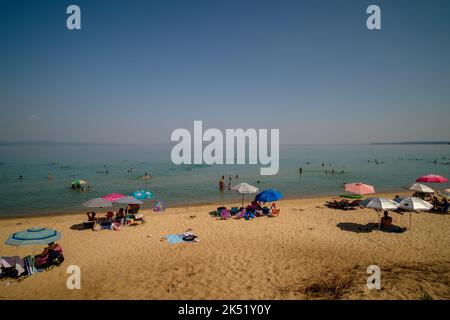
<point>413,143</point>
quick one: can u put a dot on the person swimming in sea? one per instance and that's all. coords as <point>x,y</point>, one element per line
<point>146,176</point>
<point>300,170</point>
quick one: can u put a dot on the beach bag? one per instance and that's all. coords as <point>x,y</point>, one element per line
<point>10,272</point>
<point>189,237</point>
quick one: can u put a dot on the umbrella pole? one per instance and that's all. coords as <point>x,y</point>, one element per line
<point>379,220</point>
<point>242,200</point>
<point>410,214</point>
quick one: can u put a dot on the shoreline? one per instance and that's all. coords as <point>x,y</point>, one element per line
<point>188,205</point>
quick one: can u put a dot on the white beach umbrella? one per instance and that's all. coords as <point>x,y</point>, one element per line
<point>420,188</point>
<point>244,188</point>
<point>379,204</point>
<point>97,203</point>
<point>414,204</point>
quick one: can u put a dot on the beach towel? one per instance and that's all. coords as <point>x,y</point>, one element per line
<point>29,265</point>
<point>181,237</point>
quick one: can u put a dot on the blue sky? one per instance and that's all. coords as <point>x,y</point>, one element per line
<point>139,69</point>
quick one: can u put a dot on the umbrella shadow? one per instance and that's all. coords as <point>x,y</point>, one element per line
<point>357,227</point>
<point>367,228</point>
<point>81,226</point>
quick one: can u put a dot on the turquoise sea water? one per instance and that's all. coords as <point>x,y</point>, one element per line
<point>399,165</point>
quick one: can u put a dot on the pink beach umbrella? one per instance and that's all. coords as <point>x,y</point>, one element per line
<point>112,197</point>
<point>432,178</point>
<point>359,188</point>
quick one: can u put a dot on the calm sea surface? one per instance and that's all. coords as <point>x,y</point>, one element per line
<point>399,165</point>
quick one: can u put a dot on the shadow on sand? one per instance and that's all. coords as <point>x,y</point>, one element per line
<point>366,228</point>
<point>81,226</point>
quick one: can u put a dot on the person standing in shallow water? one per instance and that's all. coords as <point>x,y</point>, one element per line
<point>49,176</point>
<point>222,183</point>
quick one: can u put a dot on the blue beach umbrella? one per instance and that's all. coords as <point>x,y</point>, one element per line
<point>142,194</point>
<point>33,236</point>
<point>268,195</point>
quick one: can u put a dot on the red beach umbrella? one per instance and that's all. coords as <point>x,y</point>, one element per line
<point>432,178</point>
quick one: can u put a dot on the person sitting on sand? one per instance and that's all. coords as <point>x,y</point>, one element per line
<point>386,221</point>
<point>120,215</point>
<point>445,205</point>
<point>436,203</point>
<point>51,252</point>
<point>91,216</point>
<point>386,224</point>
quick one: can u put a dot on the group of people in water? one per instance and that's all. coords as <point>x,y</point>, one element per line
<point>222,182</point>
<point>323,165</point>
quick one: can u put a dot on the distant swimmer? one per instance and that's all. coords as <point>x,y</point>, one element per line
<point>107,171</point>
<point>146,176</point>
<point>258,182</point>
<point>300,170</point>
<point>307,162</point>
<point>237,176</point>
<point>50,176</point>
<point>20,177</point>
<point>323,164</point>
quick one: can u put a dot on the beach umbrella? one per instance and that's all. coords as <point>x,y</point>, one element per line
<point>268,195</point>
<point>359,188</point>
<point>128,200</point>
<point>244,188</point>
<point>142,194</point>
<point>33,236</point>
<point>420,188</point>
<point>97,203</point>
<point>113,196</point>
<point>414,204</point>
<point>79,182</point>
<point>432,178</point>
<point>379,204</point>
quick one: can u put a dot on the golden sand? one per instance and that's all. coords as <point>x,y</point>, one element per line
<point>308,252</point>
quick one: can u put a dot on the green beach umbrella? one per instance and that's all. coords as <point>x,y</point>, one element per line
<point>79,182</point>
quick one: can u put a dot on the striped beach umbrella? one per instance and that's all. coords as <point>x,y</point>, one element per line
<point>97,203</point>
<point>128,200</point>
<point>33,236</point>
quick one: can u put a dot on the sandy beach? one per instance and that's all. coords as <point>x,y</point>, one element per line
<point>308,252</point>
